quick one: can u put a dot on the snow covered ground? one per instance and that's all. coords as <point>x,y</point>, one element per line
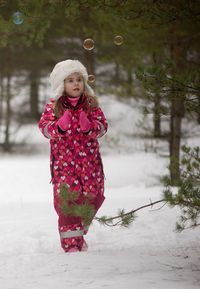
<point>148,255</point>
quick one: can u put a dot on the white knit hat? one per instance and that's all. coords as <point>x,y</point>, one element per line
<point>62,70</point>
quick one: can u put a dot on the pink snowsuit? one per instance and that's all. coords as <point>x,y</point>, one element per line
<point>75,160</point>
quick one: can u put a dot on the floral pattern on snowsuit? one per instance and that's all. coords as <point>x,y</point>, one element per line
<point>75,160</point>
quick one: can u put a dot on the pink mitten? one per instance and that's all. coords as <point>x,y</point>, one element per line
<point>84,122</point>
<point>65,121</point>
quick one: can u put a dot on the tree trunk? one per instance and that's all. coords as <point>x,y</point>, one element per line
<point>157,100</point>
<point>34,95</point>
<point>2,64</point>
<point>156,116</point>
<point>116,78</point>
<point>7,97</point>
<point>129,89</point>
<point>177,106</point>
<point>7,145</point>
<point>1,104</point>
<point>198,112</point>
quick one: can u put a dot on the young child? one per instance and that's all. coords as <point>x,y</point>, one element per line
<point>73,122</point>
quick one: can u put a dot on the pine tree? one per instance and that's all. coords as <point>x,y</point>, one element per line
<point>187,194</point>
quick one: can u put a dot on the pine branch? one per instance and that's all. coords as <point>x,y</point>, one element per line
<point>170,79</point>
<point>109,220</point>
<point>183,84</point>
<point>70,207</point>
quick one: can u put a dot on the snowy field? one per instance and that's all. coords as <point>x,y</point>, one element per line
<point>148,255</point>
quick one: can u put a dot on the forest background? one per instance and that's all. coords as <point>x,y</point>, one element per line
<point>155,60</point>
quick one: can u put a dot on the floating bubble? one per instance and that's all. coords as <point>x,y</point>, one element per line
<point>91,78</point>
<point>118,40</point>
<point>88,44</point>
<point>2,3</point>
<point>18,18</point>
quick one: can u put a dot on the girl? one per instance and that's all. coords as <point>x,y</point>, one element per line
<point>73,122</point>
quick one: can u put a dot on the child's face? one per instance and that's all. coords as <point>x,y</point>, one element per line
<point>74,84</point>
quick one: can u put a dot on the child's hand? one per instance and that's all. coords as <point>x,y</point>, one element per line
<point>65,121</point>
<point>84,122</point>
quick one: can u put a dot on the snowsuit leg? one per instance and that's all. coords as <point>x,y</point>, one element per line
<point>70,228</point>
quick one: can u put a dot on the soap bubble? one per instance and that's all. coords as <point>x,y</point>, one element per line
<point>18,18</point>
<point>91,78</point>
<point>118,40</point>
<point>88,44</point>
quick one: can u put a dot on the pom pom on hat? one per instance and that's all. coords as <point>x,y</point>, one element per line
<point>62,70</point>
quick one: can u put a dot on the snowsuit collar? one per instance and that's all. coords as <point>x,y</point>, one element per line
<point>67,104</point>
<point>73,100</point>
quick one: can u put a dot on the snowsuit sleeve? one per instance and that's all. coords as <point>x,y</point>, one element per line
<point>99,124</point>
<point>48,123</point>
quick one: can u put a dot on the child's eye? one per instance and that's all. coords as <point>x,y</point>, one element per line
<point>79,79</point>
